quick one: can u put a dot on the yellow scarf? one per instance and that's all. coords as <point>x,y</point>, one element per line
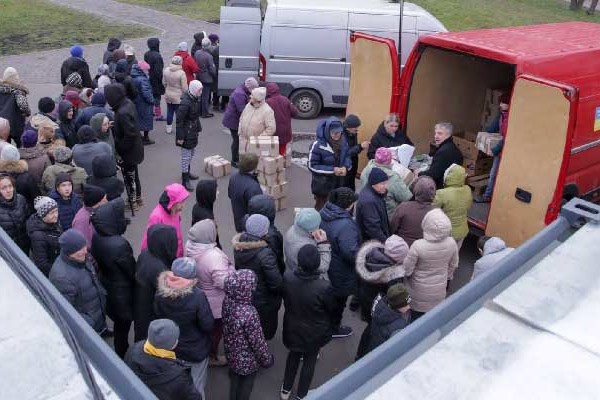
<point>162,353</point>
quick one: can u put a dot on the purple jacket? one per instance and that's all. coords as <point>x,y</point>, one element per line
<point>82,223</point>
<point>237,101</point>
<point>245,345</point>
<point>284,111</point>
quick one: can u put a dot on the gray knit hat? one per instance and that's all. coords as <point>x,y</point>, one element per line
<point>163,334</point>
<point>43,205</point>
<point>63,154</point>
<point>10,153</point>
<point>308,219</point>
<point>257,225</point>
<point>184,267</point>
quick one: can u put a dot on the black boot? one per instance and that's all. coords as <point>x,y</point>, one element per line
<point>185,181</point>
<point>192,176</point>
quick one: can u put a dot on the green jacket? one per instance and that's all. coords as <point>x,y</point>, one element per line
<point>455,200</point>
<point>397,193</point>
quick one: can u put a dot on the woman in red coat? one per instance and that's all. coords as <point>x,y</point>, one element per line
<point>284,112</point>
<point>189,64</point>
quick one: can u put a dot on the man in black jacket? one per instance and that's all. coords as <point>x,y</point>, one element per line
<point>243,185</point>
<point>371,214</point>
<point>351,125</point>
<point>446,154</point>
<point>76,63</point>
<point>155,60</point>
<point>155,363</point>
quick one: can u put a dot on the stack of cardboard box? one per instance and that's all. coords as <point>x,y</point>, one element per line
<point>491,106</point>
<point>475,162</point>
<point>217,166</point>
<point>487,141</point>
<point>271,176</point>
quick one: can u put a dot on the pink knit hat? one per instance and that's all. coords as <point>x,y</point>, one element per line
<point>383,156</point>
<point>144,66</point>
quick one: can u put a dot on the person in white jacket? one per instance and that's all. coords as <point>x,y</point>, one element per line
<point>258,118</point>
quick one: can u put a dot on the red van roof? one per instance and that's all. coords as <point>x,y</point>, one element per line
<point>518,44</point>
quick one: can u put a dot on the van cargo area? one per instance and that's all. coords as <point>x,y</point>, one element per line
<point>464,90</point>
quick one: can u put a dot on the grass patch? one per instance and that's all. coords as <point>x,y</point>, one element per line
<point>460,15</point>
<point>206,10</point>
<point>33,25</point>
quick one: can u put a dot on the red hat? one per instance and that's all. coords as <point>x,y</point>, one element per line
<point>73,97</point>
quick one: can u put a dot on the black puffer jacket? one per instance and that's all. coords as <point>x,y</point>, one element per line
<point>167,379</point>
<point>206,195</point>
<point>13,217</point>
<point>80,286</point>
<point>44,242</point>
<point>158,257</point>
<point>66,127</point>
<point>385,323</point>
<point>256,255</point>
<point>128,140</point>
<point>310,306</point>
<point>188,121</point>
<point>115,258</point>
<point>157,65</point>
<point>265,205</point>
<point>189,309</point>
<point>382,139</point>
<point>104,175</point>
<point>242,187</point>
<point>79,65</point>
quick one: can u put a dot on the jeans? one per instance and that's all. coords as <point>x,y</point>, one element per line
<point>240,386</point>
<point>306,374</point>
<point>200,374</point>
<point>235,146</point>
<point>489,190</point>
<point>205,98</point>
<point>171,110</point>
<point>121,338</point>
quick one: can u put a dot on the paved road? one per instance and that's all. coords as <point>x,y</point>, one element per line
<point>161,167</point>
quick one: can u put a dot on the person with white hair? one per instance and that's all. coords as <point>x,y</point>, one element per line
<point>188,129</point>
<point>13,103</point>
<point>446,154</point>
<point>207,75</point>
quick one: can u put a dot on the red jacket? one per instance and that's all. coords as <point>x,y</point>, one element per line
<point>189,65</point>
<point>284,111</point>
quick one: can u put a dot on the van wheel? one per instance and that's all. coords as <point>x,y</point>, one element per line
<point>308,102</point>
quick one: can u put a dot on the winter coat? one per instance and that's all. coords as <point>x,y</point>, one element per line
<point>128,140</point>
<point>206,63</point>
<point>67,208</point>
<point>254,254</point>
<point>115,259</point>
<point>197,43</point>
<point>113,44</point>
<point>158,257</point>
<point>371,215</point>
<point>322,160</point>
<point>245,345</point>
<point>294,239</point>
<point>144,101</point>
<point>236,105</point>
<point>67,130</point>
<point>14,106</point>
<point>124,79</point>
<point>85,116</point>
<point>189,65</point>
<point>37,161</point>
<point>284,111</point>
<point>431,262</point>
<point>446,155</point>
<point>106,137</point>
<point>25,184</point>
<point>168,379</point>
<point>342,233</point>
<point>83,223</point>
<point>155,60</point>
<point>257,120</point>
<point>206,195</point>
<point>310,307</point>
<point>175,83</point>
<point>44,242</point>
<point>354,148</point>
<point>187,122</point>
<point>77,174</point>
<point>377,272</point>
<point>383,139</point>
<point>79,285</point>
<point>408,217</point>
<point>13,217</point>
<point>242,187</point>
<point>185,304</point>
<point>85,153</point>
<point>104,175</point>
<point>265,205</point>
<point>397,191</point>
<point>79,65</point>
<point>385,323</point>
<point>162,214</point>
<point>212,268</point>
<point>455,200</point>
<point>494,250</point>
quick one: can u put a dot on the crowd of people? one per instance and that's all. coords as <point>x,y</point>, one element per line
<point>391,247</point>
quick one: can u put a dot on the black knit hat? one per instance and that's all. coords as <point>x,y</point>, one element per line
<point>342,197</point>
<point>397,296</point>
<point>309,258</point>
<point>46,105</point>
<point>376,176</point>
<point>92,195</point>
<point>61,178</point>
<point>248,162</point>
<point>352,121</point>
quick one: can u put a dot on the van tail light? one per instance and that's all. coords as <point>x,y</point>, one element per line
<point>262,67</point>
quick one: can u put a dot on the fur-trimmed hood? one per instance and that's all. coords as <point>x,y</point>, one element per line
<point>242,241</point>
<point>173,287</point>
<point>9,87</point>
<point>394,271</point>
<point>13,167</point>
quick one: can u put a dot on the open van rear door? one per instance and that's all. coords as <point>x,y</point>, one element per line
<point>374,83</point>
<point>530,180</point>
<point>239,46</point>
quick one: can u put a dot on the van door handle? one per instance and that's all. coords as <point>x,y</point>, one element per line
<point>523,195</point>
<point>228,63</point>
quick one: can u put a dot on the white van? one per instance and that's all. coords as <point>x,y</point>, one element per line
<point>303,45</point>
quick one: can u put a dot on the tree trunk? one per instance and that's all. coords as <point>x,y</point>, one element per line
<point>576,4</point>
<point>592,8</point>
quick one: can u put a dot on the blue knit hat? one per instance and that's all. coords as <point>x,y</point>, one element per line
<point>77,51</point>
<point>98,99</point>
<point>184,267</point>
<point>257,225</point>
<point>377,176</point>
<point>308,219</point>
<point>71,241</point>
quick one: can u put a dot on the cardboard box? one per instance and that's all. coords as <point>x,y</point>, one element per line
<point>281,203</point>
<point>468,149</point>
<point>263,146</point>
<point>277,191</point>
<point>487,141</point>
<point>491,105</point>
<point>271,179</point>
<point>480,166</point>
<point>217,166</point>
<point>271,165</point>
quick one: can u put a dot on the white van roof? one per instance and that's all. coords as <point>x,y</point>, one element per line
<point>370,6</point>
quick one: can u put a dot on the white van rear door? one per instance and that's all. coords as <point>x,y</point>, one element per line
<point>239,46</point>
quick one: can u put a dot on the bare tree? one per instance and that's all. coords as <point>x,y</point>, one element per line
<point>577,4</point>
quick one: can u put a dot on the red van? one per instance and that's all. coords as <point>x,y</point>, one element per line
<point>552,144</point>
